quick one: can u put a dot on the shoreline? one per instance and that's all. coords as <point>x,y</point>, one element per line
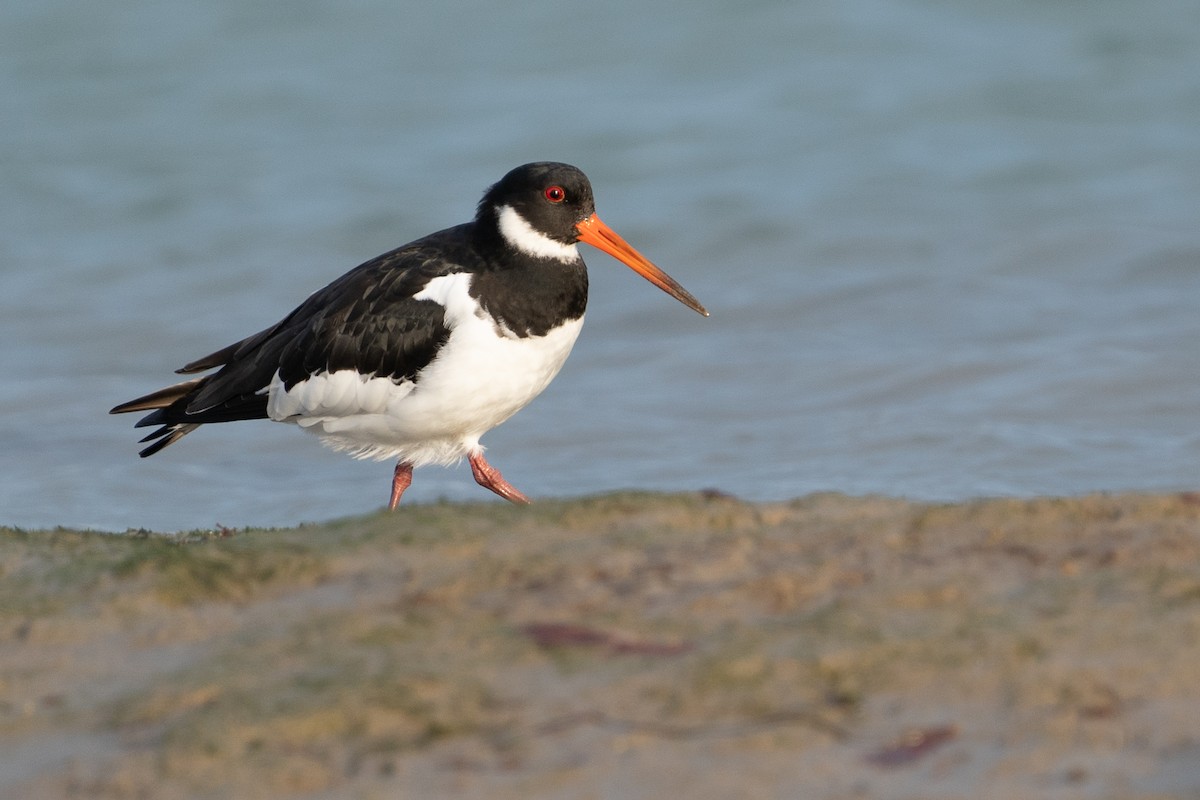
<point>626,645</point>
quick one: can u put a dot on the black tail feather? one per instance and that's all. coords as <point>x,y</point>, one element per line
<point>158,417</point>
<point>169,408</point>
<point>161,399</point>
<point>158,434</point>
<point>166,435</point>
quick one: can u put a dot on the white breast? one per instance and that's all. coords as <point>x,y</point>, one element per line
<point>481,376</point>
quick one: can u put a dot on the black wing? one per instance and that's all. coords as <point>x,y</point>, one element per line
<point>366,320</point>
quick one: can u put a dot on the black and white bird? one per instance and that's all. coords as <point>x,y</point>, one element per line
<point>417,353</point>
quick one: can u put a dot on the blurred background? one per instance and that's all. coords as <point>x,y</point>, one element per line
<point>950,248</point>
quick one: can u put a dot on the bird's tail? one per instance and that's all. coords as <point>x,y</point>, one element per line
<point>158,404</point>
<point>160,399</point>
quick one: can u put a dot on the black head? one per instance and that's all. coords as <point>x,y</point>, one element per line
<point>551,197</point>
<point>541,210</point>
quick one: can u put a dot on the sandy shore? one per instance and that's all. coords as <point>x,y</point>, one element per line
<point>627,646</point>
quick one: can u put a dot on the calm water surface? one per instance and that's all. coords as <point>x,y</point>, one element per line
<point>950,248</point>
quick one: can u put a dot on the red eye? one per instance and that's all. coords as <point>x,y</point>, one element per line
<point>555,194</point>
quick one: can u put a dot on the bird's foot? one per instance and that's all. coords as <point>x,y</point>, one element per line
<point>489,477</point>
<point>400,481</point>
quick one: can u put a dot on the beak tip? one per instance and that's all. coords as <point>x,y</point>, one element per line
<point>590,230</point>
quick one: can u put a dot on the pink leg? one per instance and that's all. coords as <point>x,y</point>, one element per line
<point>400,481</point>
<point>489,477</point>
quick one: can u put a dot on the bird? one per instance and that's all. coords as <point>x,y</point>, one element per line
<point>415,354</point>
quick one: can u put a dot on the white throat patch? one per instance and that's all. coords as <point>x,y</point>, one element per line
<point>521,235</point>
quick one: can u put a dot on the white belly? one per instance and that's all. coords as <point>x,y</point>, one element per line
<point>481,377</point>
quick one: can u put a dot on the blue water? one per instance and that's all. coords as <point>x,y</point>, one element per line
<point>950,248</point>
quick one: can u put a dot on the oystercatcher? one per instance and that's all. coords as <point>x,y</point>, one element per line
<point>417,353</point>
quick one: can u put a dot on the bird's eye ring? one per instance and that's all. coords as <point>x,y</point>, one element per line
<point>555,194</point>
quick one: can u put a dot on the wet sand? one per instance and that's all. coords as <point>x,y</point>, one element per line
<point>625,646</point>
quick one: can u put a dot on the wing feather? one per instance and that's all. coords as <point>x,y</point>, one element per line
<point>367,320</point>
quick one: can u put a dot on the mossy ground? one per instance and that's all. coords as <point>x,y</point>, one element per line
<point>621,646</point>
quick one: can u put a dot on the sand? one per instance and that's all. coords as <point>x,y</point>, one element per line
<point>625,646</point>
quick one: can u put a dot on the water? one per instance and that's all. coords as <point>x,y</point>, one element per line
<point>950,248</point>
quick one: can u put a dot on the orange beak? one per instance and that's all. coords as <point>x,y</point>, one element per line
<point>594,232</point>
